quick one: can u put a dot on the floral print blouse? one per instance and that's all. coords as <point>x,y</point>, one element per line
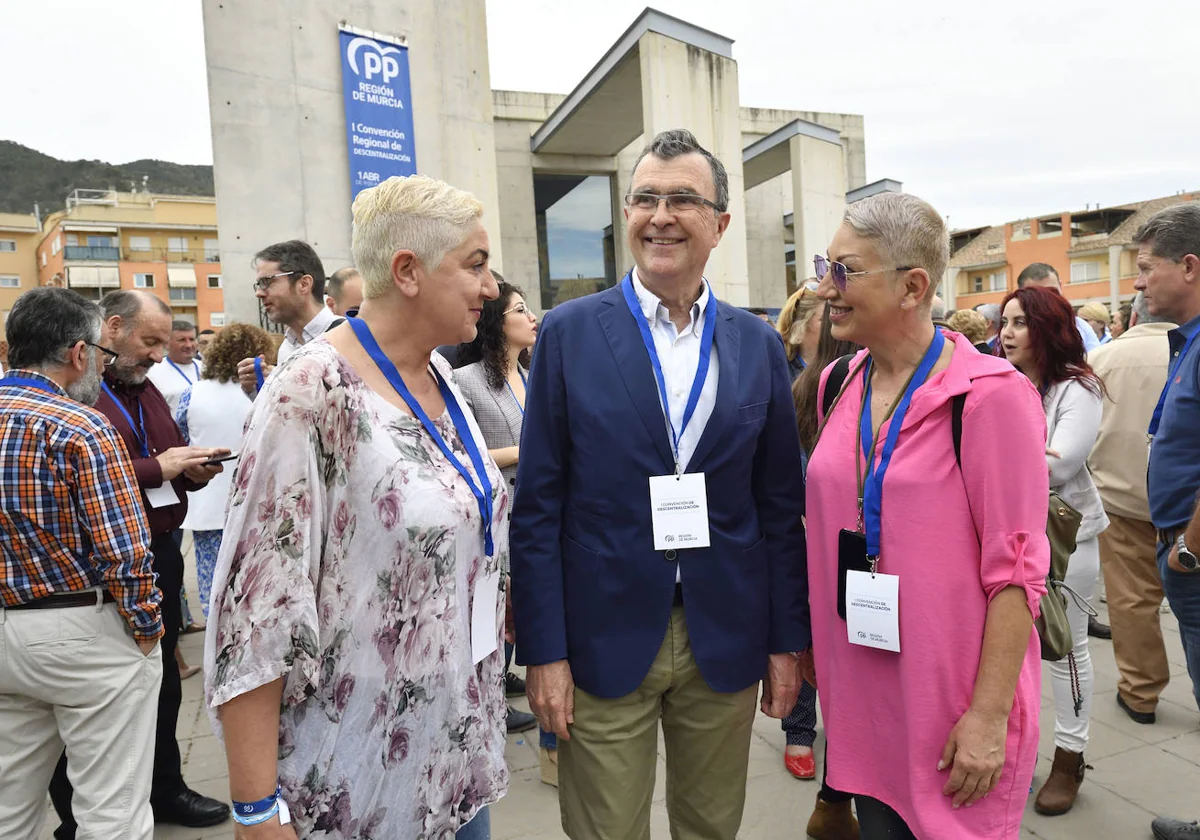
<point>350,559</point>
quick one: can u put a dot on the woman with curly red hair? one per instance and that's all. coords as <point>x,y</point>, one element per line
<point>1038,335</point>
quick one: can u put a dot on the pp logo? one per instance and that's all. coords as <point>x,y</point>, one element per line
<point>669,538</point>
<point>380,59</point>
<point>862,635</point>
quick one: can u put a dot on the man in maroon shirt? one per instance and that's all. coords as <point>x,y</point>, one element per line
<point>137,326</point>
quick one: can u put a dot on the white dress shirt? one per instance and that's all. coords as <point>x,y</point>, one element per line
<point>679,355</point>
<point>173,379</point>
<point>292,342</point>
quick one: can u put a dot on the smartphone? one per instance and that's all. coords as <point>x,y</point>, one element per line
<point>220,459</point>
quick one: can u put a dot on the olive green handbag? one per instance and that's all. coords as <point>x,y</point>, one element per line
<point>1062,524</point>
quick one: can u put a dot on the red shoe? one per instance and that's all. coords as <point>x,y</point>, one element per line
<point>801,766</point>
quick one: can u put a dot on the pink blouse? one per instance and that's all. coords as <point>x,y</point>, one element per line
<point>888,716</point>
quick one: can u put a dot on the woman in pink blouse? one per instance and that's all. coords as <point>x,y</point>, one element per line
<point>928,664</point>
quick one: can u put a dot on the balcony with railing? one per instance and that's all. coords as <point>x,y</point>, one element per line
<point>171,255</point>
<point>92,252</point>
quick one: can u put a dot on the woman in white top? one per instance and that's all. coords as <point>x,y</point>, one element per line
<point>1038,335</point>
<point>211,410</point>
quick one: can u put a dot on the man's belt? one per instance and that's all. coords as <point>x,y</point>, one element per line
<point>90,598</point>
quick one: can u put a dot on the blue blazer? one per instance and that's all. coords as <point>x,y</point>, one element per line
<point>587,584</point>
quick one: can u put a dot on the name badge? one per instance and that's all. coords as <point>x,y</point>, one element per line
<point>163,496</point>
<point>679,511</point>
<point>484,631</point>
<point>873,610</point>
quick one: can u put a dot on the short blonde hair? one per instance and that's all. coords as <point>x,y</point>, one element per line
<point>970,324</point>
<point>798,311</point>
<point>423,215</point>
<point>1095,312</point>
<point>907,232</point>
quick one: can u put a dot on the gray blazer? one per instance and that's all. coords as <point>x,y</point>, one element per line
<point>496,411</point>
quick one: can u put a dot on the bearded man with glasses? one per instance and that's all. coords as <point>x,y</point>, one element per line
<point>289,283</point>
<point>658,558</point>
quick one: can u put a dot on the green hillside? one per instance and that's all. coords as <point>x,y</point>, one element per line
<point>28,176</point>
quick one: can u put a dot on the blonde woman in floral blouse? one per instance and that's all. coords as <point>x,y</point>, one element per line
<point>354,656</point>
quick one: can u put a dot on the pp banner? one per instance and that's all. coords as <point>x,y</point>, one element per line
<point>376,88</point>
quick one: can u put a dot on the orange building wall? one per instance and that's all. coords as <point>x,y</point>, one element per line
<point>54,262</point>
<point>1052,251</point>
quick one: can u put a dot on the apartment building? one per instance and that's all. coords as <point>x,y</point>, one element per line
<point>165,244</point>
<point>19,234</point>
<point>1091,249</point>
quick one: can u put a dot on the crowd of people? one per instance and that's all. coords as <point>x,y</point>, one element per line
<point>672,513</point>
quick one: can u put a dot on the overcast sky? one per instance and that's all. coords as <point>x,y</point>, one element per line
<point>992,111</point>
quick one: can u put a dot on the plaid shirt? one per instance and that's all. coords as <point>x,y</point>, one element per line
<point>71,514</point>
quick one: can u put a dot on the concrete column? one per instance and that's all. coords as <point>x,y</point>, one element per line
<point>1114,276</point>
<point>818,194</point>
<point>950,287</point>
<point>279,135</point>
<point>686,87</point>
<point>765,245</point>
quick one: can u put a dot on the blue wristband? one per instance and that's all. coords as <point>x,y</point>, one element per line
<point>257,818</point>
<point>262,806</point>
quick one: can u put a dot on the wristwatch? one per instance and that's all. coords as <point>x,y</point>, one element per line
<point>1187,559</point>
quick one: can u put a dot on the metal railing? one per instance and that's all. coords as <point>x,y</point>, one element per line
<point>91,252</point>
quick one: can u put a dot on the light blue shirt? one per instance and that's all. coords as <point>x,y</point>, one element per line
<point>1090,342</point>
<point>679,354</point>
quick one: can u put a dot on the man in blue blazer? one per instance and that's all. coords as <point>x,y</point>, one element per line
<point>658,557</point>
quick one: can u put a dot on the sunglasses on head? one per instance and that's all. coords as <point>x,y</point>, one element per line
<point>840,274</point>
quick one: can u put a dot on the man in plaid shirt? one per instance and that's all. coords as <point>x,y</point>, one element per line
<point>80,662</point>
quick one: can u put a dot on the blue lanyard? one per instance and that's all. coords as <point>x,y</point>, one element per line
<point>1162,398</point>
<point>259,379</point>
<point>21,381</point>
<point>139,429</point>
<point>872,487</point>
<point>706,345</point>
<point>195,368</point>
<point>482,489</point>
<point>524,382</point>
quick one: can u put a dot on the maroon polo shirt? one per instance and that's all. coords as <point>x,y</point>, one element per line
<point>161,434</point>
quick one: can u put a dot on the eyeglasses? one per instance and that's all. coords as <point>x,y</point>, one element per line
<point>676,202</point>
<point>263,283</point>
<point>110,356</point>
<point>520,307</point>
<point>841,274</point>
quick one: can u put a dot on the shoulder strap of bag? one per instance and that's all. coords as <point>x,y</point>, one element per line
<point>957,403</point>
<point>833,385</point>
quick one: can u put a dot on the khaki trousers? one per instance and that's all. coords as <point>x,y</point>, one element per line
<point>1135,593</point>
<point>606,770</point>
<point>74,677</point>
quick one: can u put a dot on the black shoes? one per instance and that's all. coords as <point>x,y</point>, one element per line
<point>190,809</point>
<point>1145,718</point>
<point>514,686</point>
<point>519,721</point>
<point>1097,629</point>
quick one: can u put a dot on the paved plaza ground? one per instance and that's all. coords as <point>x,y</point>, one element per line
<point>1140,771</point>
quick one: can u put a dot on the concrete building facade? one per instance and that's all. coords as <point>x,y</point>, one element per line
<point>1092,250</point>
<point>551,170</point>
<point>166,244</point>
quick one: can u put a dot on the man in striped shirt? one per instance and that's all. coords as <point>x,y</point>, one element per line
<point>80,663</point>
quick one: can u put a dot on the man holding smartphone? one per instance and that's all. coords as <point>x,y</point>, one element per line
<point>137,327</point>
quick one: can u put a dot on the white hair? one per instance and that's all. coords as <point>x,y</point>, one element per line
<point>907,232</point>
<point>423,215</point>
